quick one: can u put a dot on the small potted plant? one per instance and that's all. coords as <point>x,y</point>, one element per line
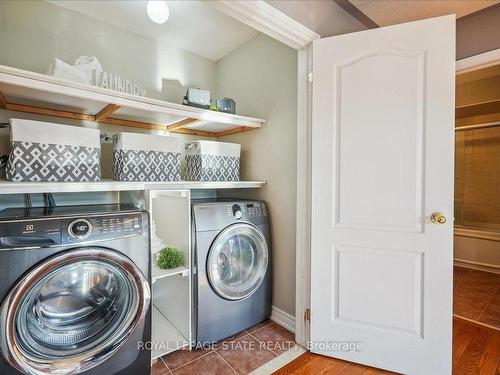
<point>169,257</point>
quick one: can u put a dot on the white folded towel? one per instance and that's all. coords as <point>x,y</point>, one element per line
<point>81,71</point>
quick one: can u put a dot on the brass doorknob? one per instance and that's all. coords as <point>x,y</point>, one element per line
<point>438,218</point>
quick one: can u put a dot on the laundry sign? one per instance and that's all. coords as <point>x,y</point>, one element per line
<point>87,69</point>
<point>115,82</point>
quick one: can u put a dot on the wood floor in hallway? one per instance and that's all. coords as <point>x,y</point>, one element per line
<point>476,296</point>
<point>476,351</point>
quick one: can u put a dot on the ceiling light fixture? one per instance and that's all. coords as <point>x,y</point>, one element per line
<point>158,11</point>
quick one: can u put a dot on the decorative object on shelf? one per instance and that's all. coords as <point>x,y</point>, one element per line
<point>213,105</point>
<point>197,98</point>
<point>212,161</point>
<point>146,157</point>
<point>226,105</point>
<point>42,151</point>
<point>114,82</point>
<point>81,71</point>
<point>169,257</point>
<point>88,70</point>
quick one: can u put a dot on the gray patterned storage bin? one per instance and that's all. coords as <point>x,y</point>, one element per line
<point>42,151</point>
<point>145,157</point>
<point>212,161</point>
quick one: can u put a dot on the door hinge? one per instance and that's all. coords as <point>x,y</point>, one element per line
<point>307,314</point>
<point>310,77</point>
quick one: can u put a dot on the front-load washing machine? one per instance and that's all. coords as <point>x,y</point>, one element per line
<point>74,291</point>
<point>232,275</point>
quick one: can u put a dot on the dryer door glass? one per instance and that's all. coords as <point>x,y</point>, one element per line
<point>237,261</point>
<point>75,310</point>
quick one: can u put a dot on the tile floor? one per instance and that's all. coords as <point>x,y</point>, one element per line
<point>476,296</point>
<point>238,355</point>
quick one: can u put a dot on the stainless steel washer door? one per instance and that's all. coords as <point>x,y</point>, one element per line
<point>73,311</point>
<point>237,261</point>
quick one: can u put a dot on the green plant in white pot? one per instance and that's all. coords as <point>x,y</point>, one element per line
<point>169,258</point>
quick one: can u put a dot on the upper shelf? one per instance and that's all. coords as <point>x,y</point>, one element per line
<point>10,187</point>
<point>25,91</point>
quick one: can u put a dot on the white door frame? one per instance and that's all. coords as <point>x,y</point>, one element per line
<point>270,21</point>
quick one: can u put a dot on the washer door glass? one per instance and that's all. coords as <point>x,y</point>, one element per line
<point>237,261</point>
<point>75,309</point>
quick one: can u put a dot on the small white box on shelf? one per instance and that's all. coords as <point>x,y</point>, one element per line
<point>43,151</point>
<point>212,161</point>
<point>146,157</point>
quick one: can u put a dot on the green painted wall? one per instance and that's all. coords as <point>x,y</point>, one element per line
<point>32,33</point>
<point>261,75</point>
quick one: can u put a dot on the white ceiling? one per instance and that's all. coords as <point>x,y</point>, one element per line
<point>390,12</point>
<point>192,26</point>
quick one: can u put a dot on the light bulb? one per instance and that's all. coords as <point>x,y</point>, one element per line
<point>158,11</point>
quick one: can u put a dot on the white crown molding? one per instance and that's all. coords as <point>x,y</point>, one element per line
<point>268,20</point>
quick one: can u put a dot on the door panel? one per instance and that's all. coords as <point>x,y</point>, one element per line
<point>388,275</point>
<point>376,181</point>
<point>382,163</point>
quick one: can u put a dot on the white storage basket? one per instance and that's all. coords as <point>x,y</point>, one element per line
<point>212,161</point>
<point>146,157</point>
<point>42,151</point>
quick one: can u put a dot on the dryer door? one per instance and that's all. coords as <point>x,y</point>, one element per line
<point>72,311</point>
<point>237,261</point>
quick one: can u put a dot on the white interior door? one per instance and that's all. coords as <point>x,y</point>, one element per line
<point>382,163</point>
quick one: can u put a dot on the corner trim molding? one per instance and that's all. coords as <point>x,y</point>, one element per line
<point>303,197</point>
<point>283,318</point>
<point>268,20</point>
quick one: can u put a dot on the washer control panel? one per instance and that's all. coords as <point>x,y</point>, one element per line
<point>99,228</point>
<point>80,228</point>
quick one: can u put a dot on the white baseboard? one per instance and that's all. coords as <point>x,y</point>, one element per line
<point>493,268</point>
<point>283,318</point>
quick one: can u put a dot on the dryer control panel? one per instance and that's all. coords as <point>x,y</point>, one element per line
<point>256,209</point>
<point>247,210</point>
<point>217,215</point>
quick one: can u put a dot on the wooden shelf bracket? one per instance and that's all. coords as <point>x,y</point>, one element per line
<point>106,111</point>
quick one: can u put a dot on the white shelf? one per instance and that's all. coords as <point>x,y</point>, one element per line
<point>30,92</point>
<point>165,337</point>
<point>159,273</point>
<point>11,187</point>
